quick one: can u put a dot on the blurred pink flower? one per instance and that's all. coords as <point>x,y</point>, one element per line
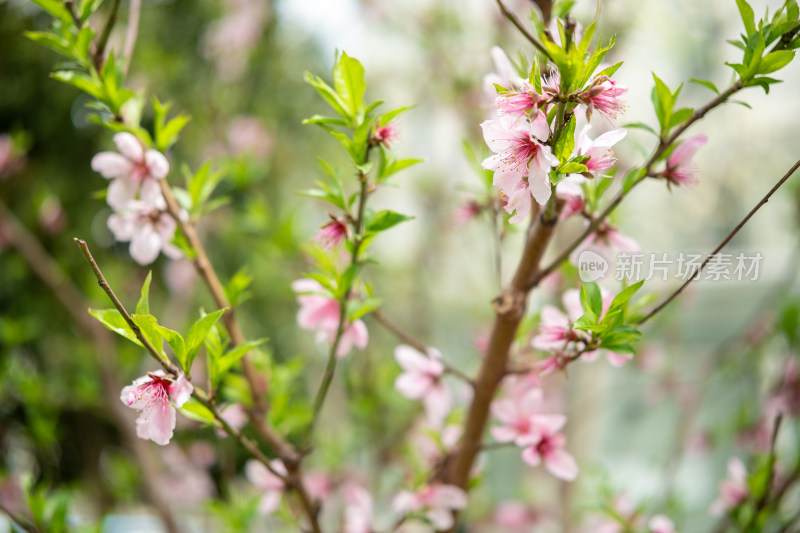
<point>514,516</point>
<point>133,170</point>
<point>518,417</point>
<point>733,491</point>
<point>331,233</point>
<point>267,482</point>
<point>466,212</point>
<point>606,241</point>
<point>519,102</point>
<point>604,96</point>
<point>185,482</point>
<point>680,170</point>
<point>439,502</point>
<point>421,380</point>
<point>248,136</point>
<point>385,135</point>
<point>320,312</point>
<point>519,153</point>
<point>147,226</point>
<point>154,396</point>
<point>661,524</point>
<point>235,415</point>
<point>504,75</point>
<point>357,508</point>
<point>433,444</point>
<point>574,205</point>
<point>547,445</point>
<point>318,484</point>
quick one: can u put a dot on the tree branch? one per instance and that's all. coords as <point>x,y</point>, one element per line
<point>724,242</point>
<point>523,30</point>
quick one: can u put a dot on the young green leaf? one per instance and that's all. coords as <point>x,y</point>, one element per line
<point>748,17</point>
<point>198,333</point>
<point>348,81</point>
<point>383,220</point>
<point>143,305</point>
<point>198,412</point>
<point>221,365</point>
<point>591,298</point>
<point>113,320</point>
<point>178,345</point>
<point>147,326</point>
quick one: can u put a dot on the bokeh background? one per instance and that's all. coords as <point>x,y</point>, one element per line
<point>659,430</point>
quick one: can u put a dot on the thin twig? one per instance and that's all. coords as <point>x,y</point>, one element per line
<point>762,500</point>
<point>663,145</point>
<point>523,30</point>
<point>101,280</point>
<point>99,52</point>
<point>725,241</point>
<point>409,339</point>
<point>131,34</point>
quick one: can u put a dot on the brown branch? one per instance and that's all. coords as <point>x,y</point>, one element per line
<point>407,338</point>
<point>523,30</point>
<point>256,384</point>
<point>98,56</point>
<point>510,308</point>
<point>724,242</point>
<point>663,145</point>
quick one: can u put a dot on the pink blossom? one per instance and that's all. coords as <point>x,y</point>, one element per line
<point>147,226</point>
<point>133,170</point>
<point>520,154</point>
<point>547,445</point>
<point>733,491</point>
<point>332,233</point>
<point>439,502</point>
<point>601,157</point>
<point>661,524</point>
<point>574,205</point>
<point>320,312</point>
<point>318,484</point>
<point>248,136</point>
<point>433,443</point>
<point>236,417</point>
<point>155,397</point>
<point>514,516</point>
<point>384,135</point>
<point>680,170</point>
<point>555,363</point>
<point>520,102</point>
<point>358,509</point>
<point>606,241</point>
<point>267,481</point>
<point>466,212</point>
<point>187,483</point>
<point>604,96</point>
<point>422,380</point>
<point>518,416</point>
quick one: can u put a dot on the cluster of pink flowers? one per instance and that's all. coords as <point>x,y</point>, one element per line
<point>155,397</point>
<point>627,518</point>
<point>134,194</point>
<point>557,335</point>
<point>525,423</point>
<point>437,502</point>
<point>320,312</point>
<point>422,380</point>
<point>733,491</point>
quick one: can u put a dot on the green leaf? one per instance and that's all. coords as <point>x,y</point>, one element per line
<point>621,299</point>
<point>198,333</point>
<point>147,325</point>
<point>748,17</point>
<point>88,7</point>
<point>775,61</point>
<point>51,41</point>
<point>591,298</point>
<point>587,321</point>
<point>143,305</point>
<point>609,71</point>
<point>57,9</point>
<point>640,126</point>
<point>618,348</point>
<point>238,288</point>
<point>348,81</point>
<point>396,165</point>
<point>391,115</point>
<point>565,144</point>
<point>178,345</point>
<point>222,365</point>
<point>195,410</point>
<point>663,102</point>
<point>327,93</point>
<point>763,81</point>
<point>113,320</point>
<point>632,178</point>
<point>383,220</point>
<point>168,135</point>
<point>535,76</point>
<point>80,81</point>
<point>680,116</point>
<point>358,308</point>
<point>319,119</point>
<point>705,83</point>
